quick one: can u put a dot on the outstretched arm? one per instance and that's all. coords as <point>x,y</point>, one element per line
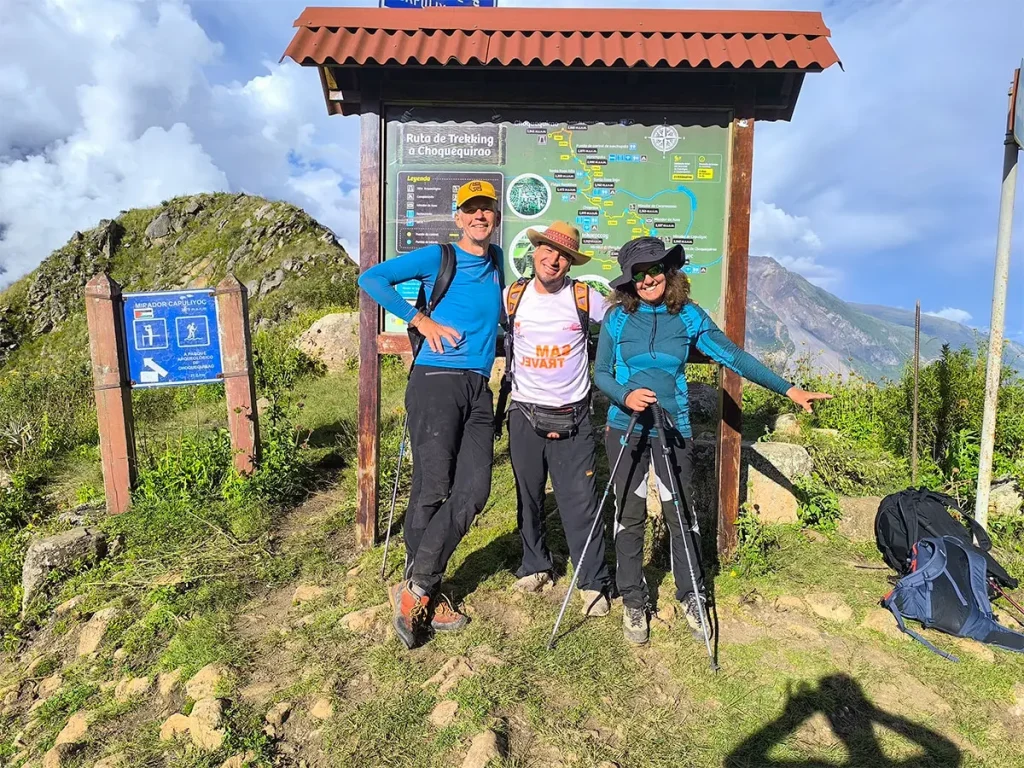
<point>713,342</point>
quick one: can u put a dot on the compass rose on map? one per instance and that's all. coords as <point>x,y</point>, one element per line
<point>664,138</point>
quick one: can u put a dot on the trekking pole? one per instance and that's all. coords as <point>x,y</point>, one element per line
<point>659,424</point>
<point>394,493</point>
<point>624,440</point>
<point>1009,599</point>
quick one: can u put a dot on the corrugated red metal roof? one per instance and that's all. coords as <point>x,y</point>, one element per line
<point>564,36</point>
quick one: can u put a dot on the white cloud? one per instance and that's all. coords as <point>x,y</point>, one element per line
<point>792,242</point>
<point>952,313</point>
<point>112,109</point>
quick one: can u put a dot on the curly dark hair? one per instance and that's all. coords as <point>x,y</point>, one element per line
<point>677,293</point>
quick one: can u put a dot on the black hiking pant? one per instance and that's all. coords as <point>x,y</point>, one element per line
<point>572,463</point>
<point>630,484</point>
<point>451,431</point>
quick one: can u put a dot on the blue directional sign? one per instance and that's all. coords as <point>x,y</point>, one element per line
<point>438,3</point>
<point>172,338</point>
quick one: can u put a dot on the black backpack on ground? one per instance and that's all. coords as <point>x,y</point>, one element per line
<point>906,517</point>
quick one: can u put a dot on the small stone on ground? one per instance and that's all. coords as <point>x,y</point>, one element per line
<point>75,730</point>
<point>444,713</point>
<point>205,682</point>
<point>278,713</point>
<point>322,709</point>
<point>482,750</point>
<point>307,592</point>
<point>455,669</point>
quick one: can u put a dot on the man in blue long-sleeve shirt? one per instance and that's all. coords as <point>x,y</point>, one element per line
<point>451,411</point>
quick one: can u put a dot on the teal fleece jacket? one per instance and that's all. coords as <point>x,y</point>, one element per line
<point>649,348</point>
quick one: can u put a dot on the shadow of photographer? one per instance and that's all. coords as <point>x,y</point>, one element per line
<point>852,717</point>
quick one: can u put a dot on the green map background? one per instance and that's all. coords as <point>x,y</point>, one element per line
<point>641,184</point>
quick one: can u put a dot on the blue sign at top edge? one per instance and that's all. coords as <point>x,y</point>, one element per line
<point>438,3</point>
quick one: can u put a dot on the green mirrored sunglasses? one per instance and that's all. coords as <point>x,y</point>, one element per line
<point>654,270</point>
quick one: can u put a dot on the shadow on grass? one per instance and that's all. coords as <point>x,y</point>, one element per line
<point>852,717</point>
<point>501,554</point>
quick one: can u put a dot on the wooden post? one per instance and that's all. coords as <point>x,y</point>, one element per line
<point>239,378</point>
<point>112,390</point>
<point>369,363</point>
<point>730,428</point>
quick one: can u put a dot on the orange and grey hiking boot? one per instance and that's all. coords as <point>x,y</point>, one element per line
<point>446,618</point>
<point>409,611</point>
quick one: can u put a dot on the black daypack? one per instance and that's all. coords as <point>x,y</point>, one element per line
<point>946,589</point>
<point>445,276</point>
<point>906,517</point>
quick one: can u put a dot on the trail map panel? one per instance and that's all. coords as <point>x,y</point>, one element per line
<point>172,338</point>
<point>664,176</point>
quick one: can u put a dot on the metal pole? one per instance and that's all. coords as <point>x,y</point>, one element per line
<point>995,339</point>
<point>917,371</point>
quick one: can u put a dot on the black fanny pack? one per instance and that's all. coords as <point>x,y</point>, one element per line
<point>564,421</point>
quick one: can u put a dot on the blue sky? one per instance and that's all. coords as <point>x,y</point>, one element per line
<point>883,189</point>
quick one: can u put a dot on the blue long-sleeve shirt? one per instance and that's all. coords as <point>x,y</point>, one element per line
<point>649,350</point>
<point>472,304</point>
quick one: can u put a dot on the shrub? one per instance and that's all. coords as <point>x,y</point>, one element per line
<point>818,505</point>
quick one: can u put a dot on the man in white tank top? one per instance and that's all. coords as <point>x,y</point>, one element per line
<point>549,416</point>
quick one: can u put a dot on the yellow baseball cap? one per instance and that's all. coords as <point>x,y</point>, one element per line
<point>473,189</point>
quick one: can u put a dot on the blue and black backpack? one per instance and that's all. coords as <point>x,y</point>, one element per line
<point>947,589</point>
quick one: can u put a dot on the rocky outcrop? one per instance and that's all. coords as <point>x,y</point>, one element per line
<point>77,546</point>
<point>333,340</point>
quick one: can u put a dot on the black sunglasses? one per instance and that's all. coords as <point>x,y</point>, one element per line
<point>474,207</point>
<point>654,270</point>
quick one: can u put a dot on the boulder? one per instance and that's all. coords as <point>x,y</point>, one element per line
<point>858,517</point>
<point>767,472</point>
<point>49,686</point>
<point>160,227</point>
<point>1005,498</point>
<point>92,633</point>
<point>59,756</point>
<point>333,340</point>
<point>88,545</point>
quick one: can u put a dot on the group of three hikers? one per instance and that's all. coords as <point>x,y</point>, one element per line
<point>648,327</point>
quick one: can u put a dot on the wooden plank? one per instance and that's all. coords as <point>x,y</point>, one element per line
<point>112,391</point>
<point>239,375</point>
<point>730,428</point>
<point>371,136</point>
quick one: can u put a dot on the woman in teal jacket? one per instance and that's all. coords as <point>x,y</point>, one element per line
<point>641,359</point>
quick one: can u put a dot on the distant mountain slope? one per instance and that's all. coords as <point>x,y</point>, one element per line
<point>791,318</point>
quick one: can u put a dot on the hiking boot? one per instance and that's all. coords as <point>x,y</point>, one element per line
<point>594,603</point>
<point>409,611</point>
<point>445,617</point>
<point>692,608</point>
<point>634,624</point>
<point>535,582</point>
